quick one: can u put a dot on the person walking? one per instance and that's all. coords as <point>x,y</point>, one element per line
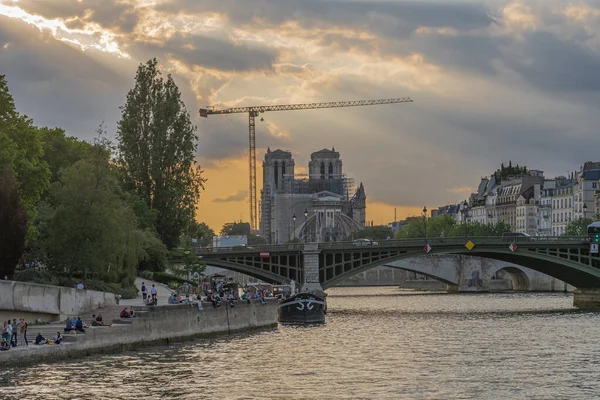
<point>144,291</point>
<point>153,293</point>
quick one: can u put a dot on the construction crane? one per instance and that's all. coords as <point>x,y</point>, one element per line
<point>254,111</point>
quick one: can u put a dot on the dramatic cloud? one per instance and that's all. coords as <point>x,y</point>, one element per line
<point>492,80</point>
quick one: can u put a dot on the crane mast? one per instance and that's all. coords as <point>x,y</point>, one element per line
<point>254,111</point>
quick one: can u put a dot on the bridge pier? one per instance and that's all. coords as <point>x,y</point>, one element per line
<point>588,299</point>
<point>311,268</point>
<point>452,288</point>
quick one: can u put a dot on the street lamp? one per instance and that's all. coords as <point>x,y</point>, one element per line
<point>425,220</point>
<point>294,218</point>
<point>305,219</point>
<point>584,210</point>
<point>464,211</point>
<point>187,265</point>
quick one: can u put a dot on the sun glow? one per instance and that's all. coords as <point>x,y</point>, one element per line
<point>92,36</point>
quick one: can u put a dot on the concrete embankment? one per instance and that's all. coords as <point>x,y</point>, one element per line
<point>161,324</point>
<point>48,303</point>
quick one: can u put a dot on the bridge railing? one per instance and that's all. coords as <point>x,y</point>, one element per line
<point>251,248</point>
<point>458,241</point>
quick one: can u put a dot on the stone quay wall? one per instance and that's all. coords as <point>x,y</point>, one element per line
<point>161,324</point>
<point>31,301</point>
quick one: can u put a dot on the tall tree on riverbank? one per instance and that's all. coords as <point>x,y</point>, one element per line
<point>21,152</point>
<point>157,145</point>
<point>13,223</point>
<point>93,231</point>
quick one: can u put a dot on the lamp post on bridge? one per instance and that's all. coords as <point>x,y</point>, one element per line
<point>294,219</point>
<point>425,220</point>
<point>305,219</point>
<point>464,212</point>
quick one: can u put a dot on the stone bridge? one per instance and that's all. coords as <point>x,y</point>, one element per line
<point>469,273</point>
<point>323,265</point>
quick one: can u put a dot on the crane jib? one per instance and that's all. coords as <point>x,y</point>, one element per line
<point>205,112</point>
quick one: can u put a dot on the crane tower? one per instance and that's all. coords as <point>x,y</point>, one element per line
<point>255,111</point>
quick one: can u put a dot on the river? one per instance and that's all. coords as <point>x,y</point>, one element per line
<point>378,343</point>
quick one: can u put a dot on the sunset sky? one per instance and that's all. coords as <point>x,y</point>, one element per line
<point>491,81</point>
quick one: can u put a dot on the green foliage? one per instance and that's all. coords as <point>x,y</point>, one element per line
<point>235,228</point>
<point>165,278</point>
<point>146,275</point>
<point>446,226</point>
<point>157,146</point>
<point>256,240</point>
<point>61,151</point>
<point>93,231</point>
<point>199,230</point>
<point>21,153</point>
<point>381,232</point>
<point>578,227</point>
<point>506,171</point>
<point>13,225</point>
<point>35,276</point>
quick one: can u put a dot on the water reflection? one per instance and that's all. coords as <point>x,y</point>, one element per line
<point>378,343</point>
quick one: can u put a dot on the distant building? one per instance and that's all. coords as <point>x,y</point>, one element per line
<point>325,203</point>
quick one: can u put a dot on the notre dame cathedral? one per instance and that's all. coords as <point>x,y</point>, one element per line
<point>321,206</point>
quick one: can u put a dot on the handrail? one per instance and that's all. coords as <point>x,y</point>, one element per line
<point>400,243</point>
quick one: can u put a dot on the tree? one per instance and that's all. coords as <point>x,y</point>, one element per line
<point>157,145</point>
<point>235,228</point>
<point>256,240</point>
<point>21,152</point>
<point>446,226</point>
<point>200,231</point>
<point>92,230</point>
<point>381,232</point>
<point>13,220</point>
<point>61,151</point>
<point>578,227</point>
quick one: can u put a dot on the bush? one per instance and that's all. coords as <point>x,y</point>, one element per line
<point>146,275</point>
<point>167,279</point>
<point>34,276</point>
<point>130,292</point>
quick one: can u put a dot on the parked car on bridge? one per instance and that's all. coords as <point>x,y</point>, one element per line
<point>364,242</point>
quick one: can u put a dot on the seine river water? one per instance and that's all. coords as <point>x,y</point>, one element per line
<point>378,343</point>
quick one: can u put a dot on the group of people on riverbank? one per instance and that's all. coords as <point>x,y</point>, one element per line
<point>11,332</point>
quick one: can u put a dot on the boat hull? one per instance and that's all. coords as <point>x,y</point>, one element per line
<point>303,308</point>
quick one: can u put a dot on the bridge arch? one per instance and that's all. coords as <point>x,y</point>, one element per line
<point>564,268</point>
<point>467,271</point>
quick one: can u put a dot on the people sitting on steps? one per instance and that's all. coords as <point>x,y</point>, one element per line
<point>4,345</point>
<point>39,339</point>
<point>79,325</point>
<point>125,313</point>
<point>97,321</point>
<point>68,326</point>
<point>58,338</point>
<point>173,299</point>
<point>151,301</point>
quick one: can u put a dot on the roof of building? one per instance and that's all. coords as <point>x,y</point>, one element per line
<point>360,192</point>
<point>591,175</point>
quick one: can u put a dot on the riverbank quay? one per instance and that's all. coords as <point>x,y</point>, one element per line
<point>153,325</point>
<point>33,301</point>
